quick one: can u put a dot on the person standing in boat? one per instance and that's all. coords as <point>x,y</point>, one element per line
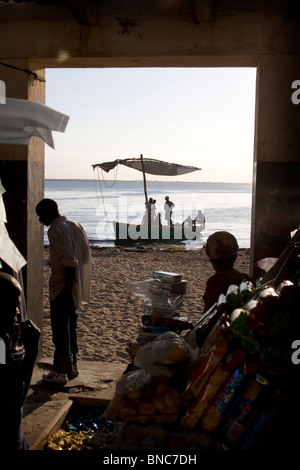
<point>150,213</point>
<point>153,211</point>
<point>168,207</point>
<point>200,219</point>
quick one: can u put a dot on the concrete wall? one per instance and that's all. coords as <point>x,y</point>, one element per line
<point>158,33</point>
<point>276,189</point>
<point>22,175</point>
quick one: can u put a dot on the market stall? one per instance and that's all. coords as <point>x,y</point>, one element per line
<point>226,383</point>
<point>230,381</point>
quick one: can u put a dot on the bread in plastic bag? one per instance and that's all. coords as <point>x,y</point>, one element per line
<point>128,387</point>
<point>143,399</point>
<point>167,349</point>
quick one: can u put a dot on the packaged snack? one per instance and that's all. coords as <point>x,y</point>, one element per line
<point>220,333</point>
<point>203,372</point>
<point>224,400</point>
<point>167,288</point>
<point>167,276</point>
<point>195,412</point>
<point>245,408</point>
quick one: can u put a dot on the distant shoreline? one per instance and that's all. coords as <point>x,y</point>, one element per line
<point>147,248</point>
<point>150,181</point>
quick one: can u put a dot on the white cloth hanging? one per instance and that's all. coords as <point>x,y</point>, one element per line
<point>22,119</point>
<point>9,252</point>
<point>2,206</point>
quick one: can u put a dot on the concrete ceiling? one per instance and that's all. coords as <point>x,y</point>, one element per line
<point>84,11</point>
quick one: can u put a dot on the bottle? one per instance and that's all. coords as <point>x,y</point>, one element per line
<point>232,296</point>
<point>240,331</point>
<point>246,292</point>
<point>222,305</point>
<point>258,314</point>
<point>270,298</point>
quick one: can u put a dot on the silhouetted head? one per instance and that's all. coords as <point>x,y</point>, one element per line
<point>221,246</point>
<point>47,210</point>
<point>10,298</point>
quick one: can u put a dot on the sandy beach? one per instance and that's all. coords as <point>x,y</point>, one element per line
<point>113,317</point>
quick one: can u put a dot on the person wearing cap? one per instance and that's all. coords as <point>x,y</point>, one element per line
<point>168,207</point>
<point>221,249</point>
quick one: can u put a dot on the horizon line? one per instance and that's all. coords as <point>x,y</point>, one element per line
<point>149,180</point>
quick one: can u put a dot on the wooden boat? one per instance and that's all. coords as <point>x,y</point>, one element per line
<point>130,234</point>
<point>149,230</point>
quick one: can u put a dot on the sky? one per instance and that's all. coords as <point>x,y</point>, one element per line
<point>202,117</point>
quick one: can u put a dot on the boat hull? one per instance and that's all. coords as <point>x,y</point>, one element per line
<point>130,234</point>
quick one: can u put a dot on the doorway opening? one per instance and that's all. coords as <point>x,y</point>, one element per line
<point>195,116</point>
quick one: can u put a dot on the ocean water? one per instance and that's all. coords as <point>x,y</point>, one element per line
<point>96,204</point>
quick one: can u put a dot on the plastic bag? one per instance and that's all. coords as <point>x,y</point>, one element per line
<point>128,388</point>
<point>167,349</point>
<point>142,399</point>
<point>154,298</point>
<point>140,288</point>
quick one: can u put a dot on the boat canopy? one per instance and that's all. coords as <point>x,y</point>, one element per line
<point>149,165</point>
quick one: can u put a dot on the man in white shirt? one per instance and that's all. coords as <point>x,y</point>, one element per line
<point>69,286</point>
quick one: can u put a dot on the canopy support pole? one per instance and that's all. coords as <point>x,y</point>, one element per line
<point>144,177</point>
